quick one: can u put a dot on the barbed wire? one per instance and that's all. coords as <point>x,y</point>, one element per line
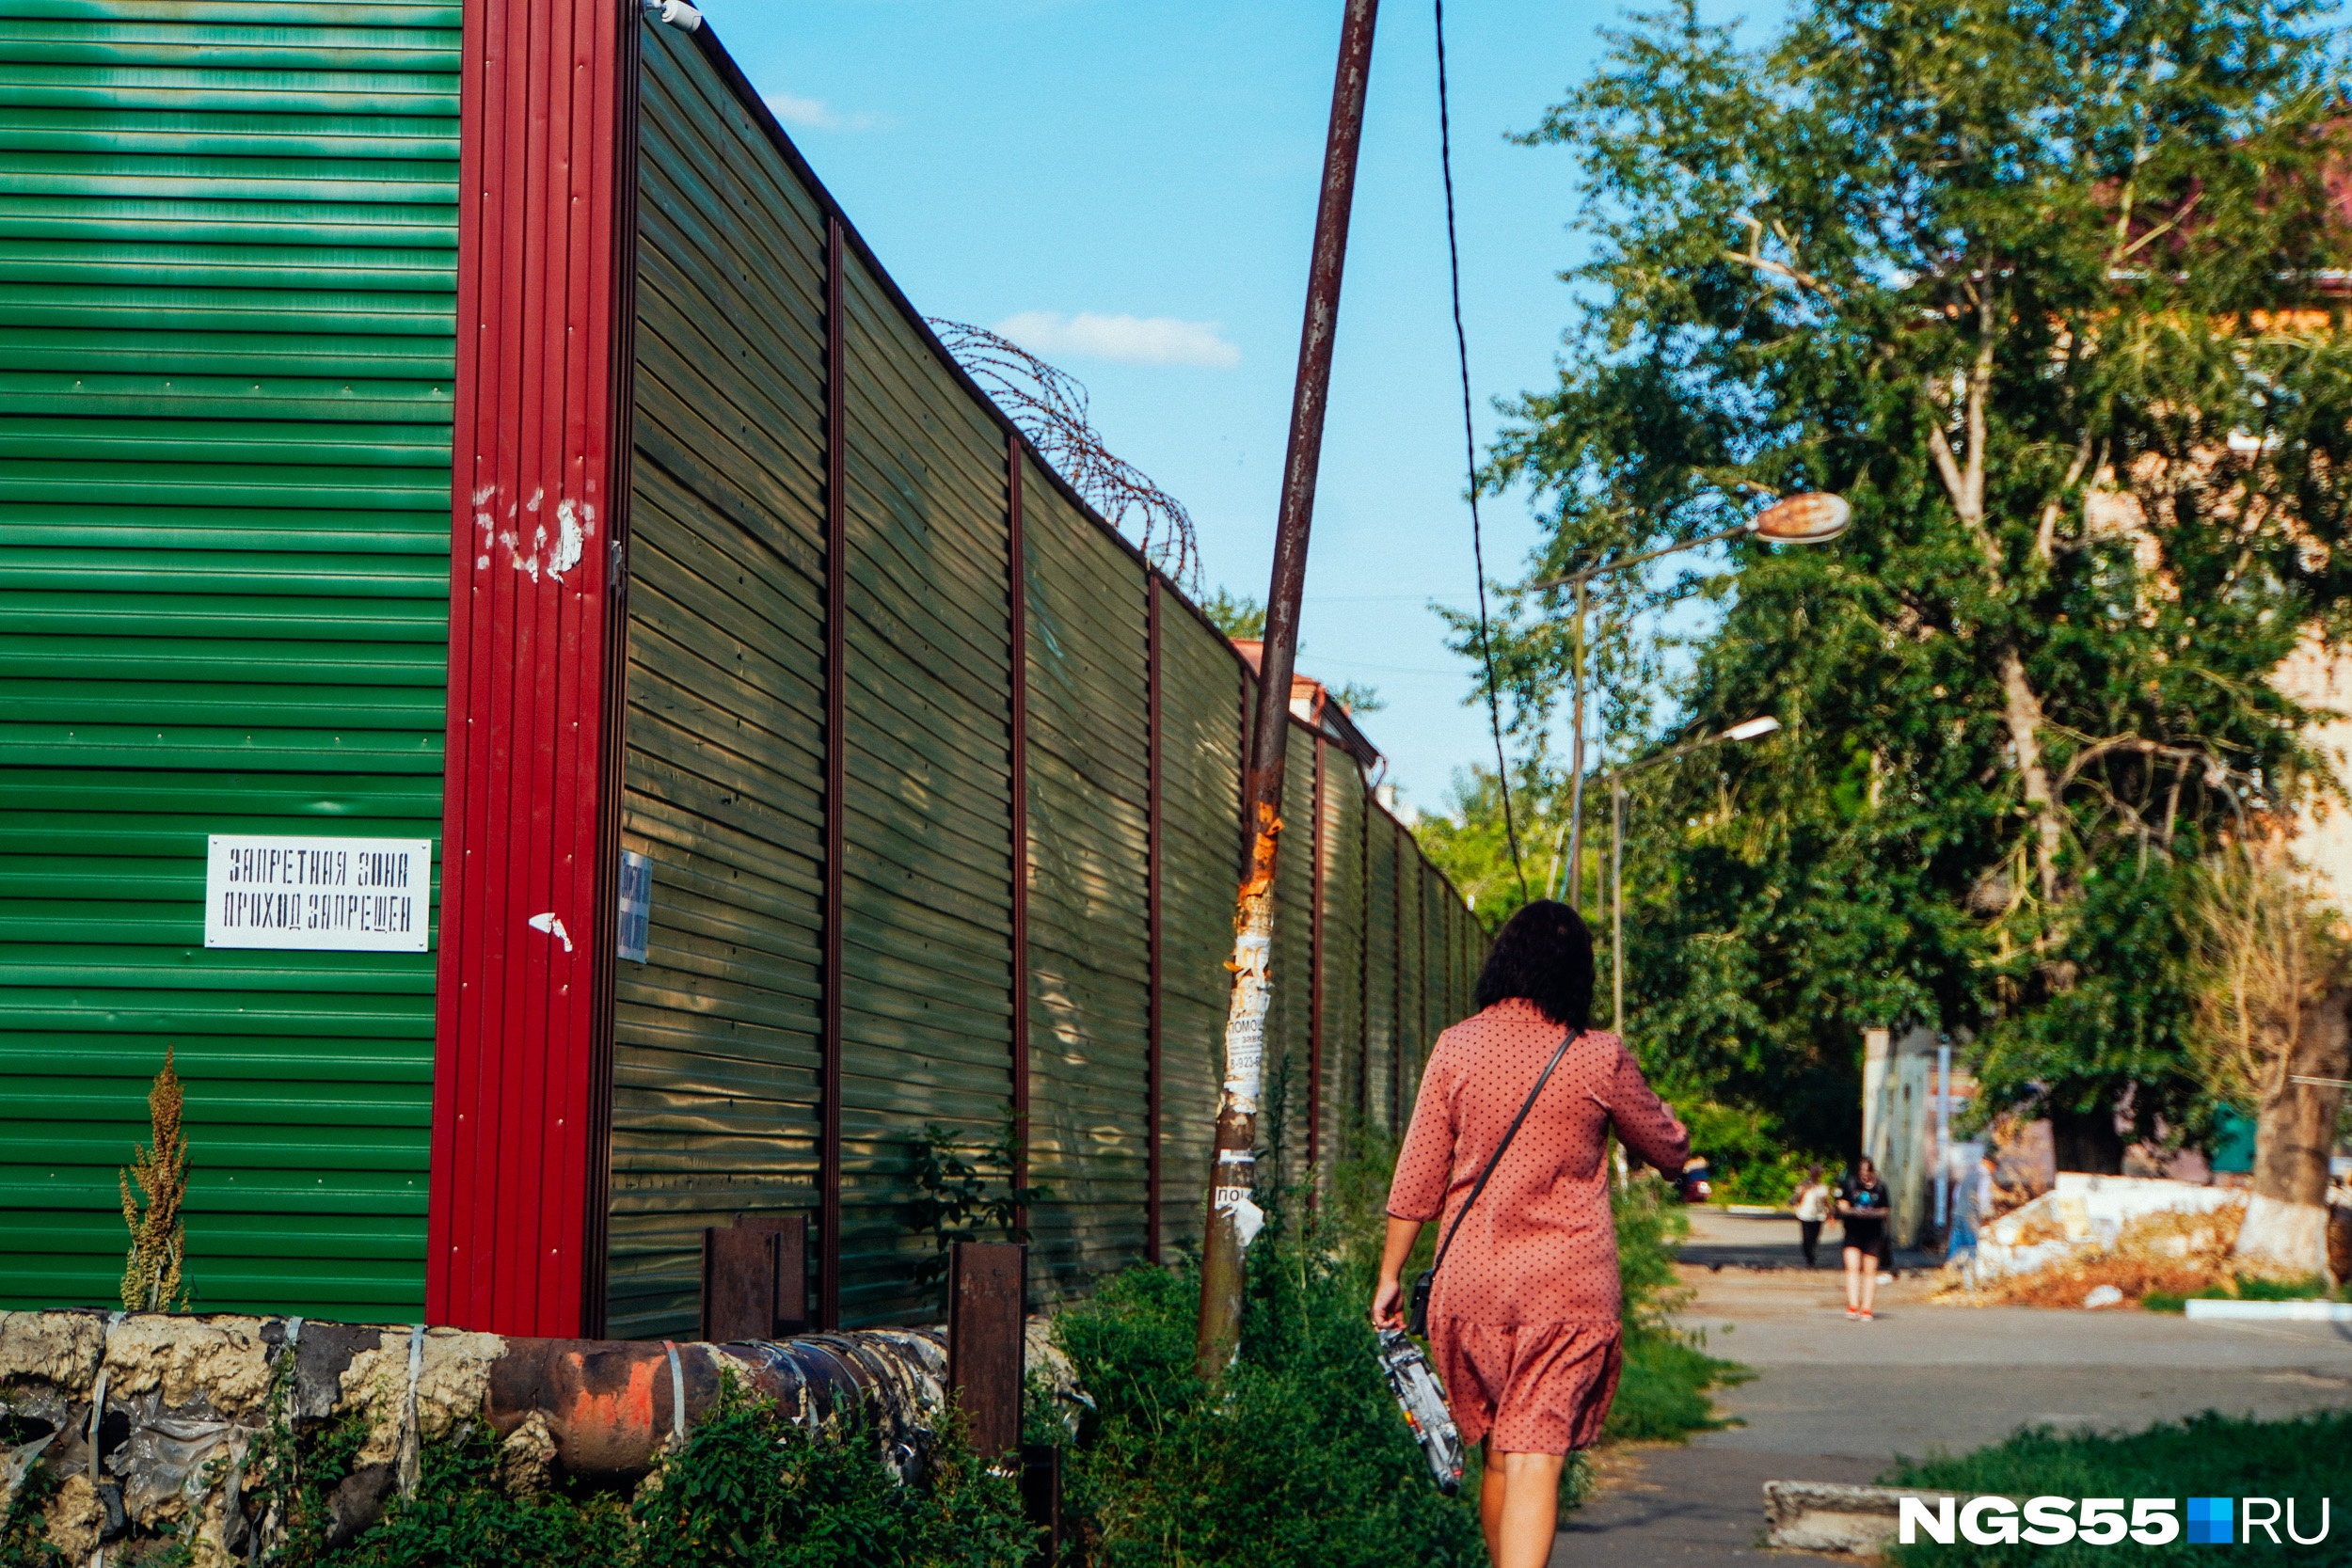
<point>1049,404</point>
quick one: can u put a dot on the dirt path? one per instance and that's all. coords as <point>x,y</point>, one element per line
<point>1835,1400</point>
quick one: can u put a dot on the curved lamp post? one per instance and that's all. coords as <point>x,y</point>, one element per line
<point>1753,729</point>
<point>1813,518</point>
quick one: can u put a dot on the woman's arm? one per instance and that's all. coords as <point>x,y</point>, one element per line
<point>1388,1300</point>
<point>1424,1167</point>
<point>1645,1125</point>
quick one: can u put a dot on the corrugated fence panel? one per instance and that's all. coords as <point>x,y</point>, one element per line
<point>1379,983</point>
<point>715,1037</point>
<point>926,1026</point>
<point>1200,696</point>
<point>226,297</point>
<point>1291,1016</point>
<point>1088,953</point>
<point>1412,989</point>
<point>1439,963</point>
<point>1343,805</point>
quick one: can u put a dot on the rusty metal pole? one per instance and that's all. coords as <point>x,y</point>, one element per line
<point>1233,1217</point>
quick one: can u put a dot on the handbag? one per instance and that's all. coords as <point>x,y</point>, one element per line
<point>1417,1321</point>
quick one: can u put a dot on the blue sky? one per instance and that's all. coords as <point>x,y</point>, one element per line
<point>1060,164</point>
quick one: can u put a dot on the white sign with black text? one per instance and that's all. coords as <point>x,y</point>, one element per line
<point>325,895</point>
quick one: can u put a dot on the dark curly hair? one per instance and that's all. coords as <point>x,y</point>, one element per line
<point>1545,954</point>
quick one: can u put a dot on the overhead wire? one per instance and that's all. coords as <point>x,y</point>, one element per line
<point>1470,451</point>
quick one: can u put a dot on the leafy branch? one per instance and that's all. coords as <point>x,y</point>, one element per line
<point>954,1174</point>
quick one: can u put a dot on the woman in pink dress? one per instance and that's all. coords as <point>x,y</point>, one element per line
<point>1523,1321</point>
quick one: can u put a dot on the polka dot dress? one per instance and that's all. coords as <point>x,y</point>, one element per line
<point>1523,1320</point>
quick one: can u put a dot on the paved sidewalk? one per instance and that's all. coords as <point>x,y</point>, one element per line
<point>1838,1401</point>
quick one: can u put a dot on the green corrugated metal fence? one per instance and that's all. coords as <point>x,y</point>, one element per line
<point>227,254</point>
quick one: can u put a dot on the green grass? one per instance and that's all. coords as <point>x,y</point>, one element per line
<point>2206,1456</point>
<point>2246,1288</point>
<point>1662,1397</point>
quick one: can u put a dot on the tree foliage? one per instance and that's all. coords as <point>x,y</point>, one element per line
<point>2043,288</point>
<point>1236,614</point>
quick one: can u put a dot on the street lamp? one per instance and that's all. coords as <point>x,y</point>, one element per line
<point>1753,729</point>
<point>1813,518</point>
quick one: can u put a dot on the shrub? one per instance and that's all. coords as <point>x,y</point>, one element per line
<point>460,1515</point>
<point>750,1487</point>
<point>1749,1150</point>
<point>1301,1460</point>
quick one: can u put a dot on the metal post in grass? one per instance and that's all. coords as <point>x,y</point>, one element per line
<point>1233,1216</point>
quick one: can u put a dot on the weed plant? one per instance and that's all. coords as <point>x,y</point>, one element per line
<point>750,1487</point>
<point>1301,1460</point>
<point>2205,1456</point>
<point>24,1541</point>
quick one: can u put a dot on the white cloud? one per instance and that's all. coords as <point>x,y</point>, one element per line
<point>815,114</point>
<point>1134,339</point>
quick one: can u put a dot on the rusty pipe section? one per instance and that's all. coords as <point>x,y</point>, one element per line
<point>612,1404</point>
<point>609,1405</point>
<point>181,1391</point>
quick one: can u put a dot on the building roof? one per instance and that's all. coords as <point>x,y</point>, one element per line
<point>1314,705</point>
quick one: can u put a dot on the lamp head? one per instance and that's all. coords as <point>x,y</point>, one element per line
<point>1751,728</point>
<point>1810,519</point>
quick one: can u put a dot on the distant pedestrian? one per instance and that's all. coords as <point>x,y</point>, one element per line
<point>1984,1192</point>
<point>1862,1207</point>
<point>1973,1208</point>
<point>1812,1203</point>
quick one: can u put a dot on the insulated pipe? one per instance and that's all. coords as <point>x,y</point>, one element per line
<point>610,1403</point>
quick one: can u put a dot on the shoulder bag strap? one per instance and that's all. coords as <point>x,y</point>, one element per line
<point>1567,1038</point>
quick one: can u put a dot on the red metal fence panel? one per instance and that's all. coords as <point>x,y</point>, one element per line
<point>527,933</point>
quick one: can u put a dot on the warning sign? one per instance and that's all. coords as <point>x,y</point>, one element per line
<point>327,894</point>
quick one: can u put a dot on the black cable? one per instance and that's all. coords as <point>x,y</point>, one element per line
<point>1469,451</point>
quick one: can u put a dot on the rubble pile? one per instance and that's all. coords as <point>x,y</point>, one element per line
<point>2179,1252</point>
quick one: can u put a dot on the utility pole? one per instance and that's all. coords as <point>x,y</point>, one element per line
<point>1234,1216</point>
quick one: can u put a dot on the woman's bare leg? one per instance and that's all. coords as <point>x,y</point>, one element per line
<point>1490,1492</point>
<point>1869,1280</point>
<point>1518,1507</point>
<point>1854,1278</point>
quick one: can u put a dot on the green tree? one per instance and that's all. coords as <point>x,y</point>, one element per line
<point>1236,614</point>
<point>1467,842</point>
<point>2041,287</point>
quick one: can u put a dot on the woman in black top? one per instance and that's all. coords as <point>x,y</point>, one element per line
<point>1862,1207</point>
